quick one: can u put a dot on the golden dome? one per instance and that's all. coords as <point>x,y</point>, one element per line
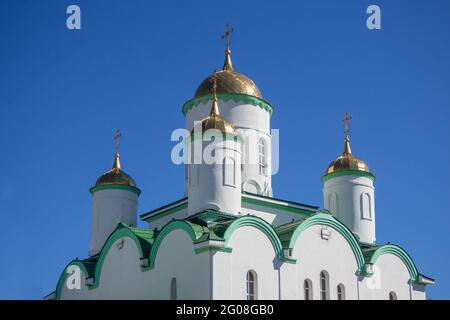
<point>115,176</point>
<point>228,81</point>
<point>214,120</point>
<point>347,161</point>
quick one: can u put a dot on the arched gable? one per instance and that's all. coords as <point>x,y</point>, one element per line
<point>401,254</point>
<point>326,219</point>
<point>259,224</point>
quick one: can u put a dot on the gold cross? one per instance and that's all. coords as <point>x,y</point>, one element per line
<point>346,120</point>
<point>117,137</point>
<point>228,31</point>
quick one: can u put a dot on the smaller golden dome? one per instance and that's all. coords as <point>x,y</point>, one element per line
<point>214,120</point>
<point>347,161</point>
<point>115,176</point>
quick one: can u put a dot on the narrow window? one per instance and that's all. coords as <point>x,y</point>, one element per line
<point>251,285</point>
<point>307,288</point>
<point>324,286</point>
<point>333,204</point>
<point>229,172</point>
<point>366,209</point>
<point>340,292</point>
<point>262,157</point>
<point>173,289</point>
<point>392,295</point>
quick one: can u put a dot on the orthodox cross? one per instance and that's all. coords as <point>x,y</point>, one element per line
<point>117,137</point>
<point>228,31</point>
<point>346,120</point>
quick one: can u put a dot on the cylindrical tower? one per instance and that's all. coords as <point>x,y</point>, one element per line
<point>114,200</point>
<point>214,171</point>
<point>242,105</point>
<point>349,194</point>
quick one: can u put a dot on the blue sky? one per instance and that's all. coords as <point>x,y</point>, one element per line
<point>134,63</point>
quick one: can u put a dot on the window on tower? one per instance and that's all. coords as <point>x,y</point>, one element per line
<point>251,285</point>
<point>229,172</point>
<point>262,157</point>
<point>392,295</point>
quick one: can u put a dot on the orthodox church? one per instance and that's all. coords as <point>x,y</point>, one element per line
<point>229,237</point>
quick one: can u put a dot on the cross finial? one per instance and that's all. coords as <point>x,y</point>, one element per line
<point>346,120</point>
<point>228,31</point>
<point>117,136</point>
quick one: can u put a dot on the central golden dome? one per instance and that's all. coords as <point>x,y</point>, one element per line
<point>228,81</point>
<point>347,161</point>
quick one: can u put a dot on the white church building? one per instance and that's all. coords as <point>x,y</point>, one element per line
<point>228,237</point>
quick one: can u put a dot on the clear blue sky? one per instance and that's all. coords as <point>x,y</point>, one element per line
<point>134,63</point>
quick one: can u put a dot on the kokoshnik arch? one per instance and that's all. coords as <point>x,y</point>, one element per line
<point>228,237</point>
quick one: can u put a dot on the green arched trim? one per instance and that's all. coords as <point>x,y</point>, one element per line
<point>327,219</point>
<point>121,232</point>
<point>259,224</point>
<point>194,232</point>
<point>63,277</point>
<point>348,173</point>
<point>236,97</point>
<point>400,253</point>
<point>115,186</point>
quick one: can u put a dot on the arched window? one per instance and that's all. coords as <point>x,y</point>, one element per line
<point>392,295</point>
<point>251,285</point>
<point>307,289</point>
<point>229,172</point>
<point>324,286</point>
<point>340,292</point>
<point>366,206</point>
<point>262,157</point>
<point>333,204</point>
<point>173,289</point>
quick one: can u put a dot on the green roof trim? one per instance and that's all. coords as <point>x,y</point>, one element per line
<point>259,224</point>
<point>326,219</point>
<point>235,97</point>
<point>193,230</point>
<point>269,203</point>
<point>358,173</point>
<point>400,253</point>
<point>115,186</point>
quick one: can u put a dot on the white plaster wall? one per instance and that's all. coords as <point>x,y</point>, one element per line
<point>252,250</point>
<point>251,122</point>
<point>390,274</point>
<point>209,191</point>
<point>109,208</point>
<point>315,254</point>
<point>348,190</point>
<point>176,258</point>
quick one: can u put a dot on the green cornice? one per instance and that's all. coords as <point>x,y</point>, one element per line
<point>401,254</point>
<point>326,219</point>
<point>259,224</point>
<point>115,186</point>
<point>235,97</point>
<point>167,212</point>
<point>269,204</point>
<point>348,173</point>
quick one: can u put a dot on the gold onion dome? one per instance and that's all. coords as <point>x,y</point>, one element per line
<point>347,161</point>
<point>115,176</point>
<point>228,81</point>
